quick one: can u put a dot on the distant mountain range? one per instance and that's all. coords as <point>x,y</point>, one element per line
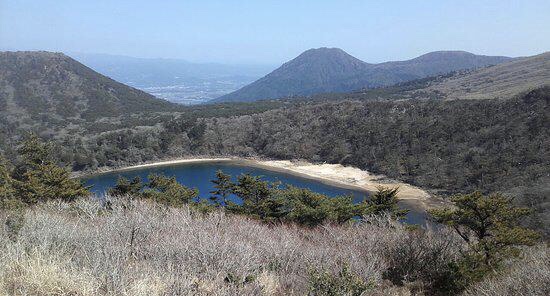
<point>325,70</point>
<point>48,86</point>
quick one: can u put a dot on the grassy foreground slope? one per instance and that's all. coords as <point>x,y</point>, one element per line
<point>142,248</point>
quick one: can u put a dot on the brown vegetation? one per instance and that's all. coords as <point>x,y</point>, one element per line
<point>143,248</point>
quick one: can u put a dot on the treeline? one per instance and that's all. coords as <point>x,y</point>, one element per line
<point>35,177</point>
<point>271,202</point>
<point>454,146</point>
<point>446,146</point>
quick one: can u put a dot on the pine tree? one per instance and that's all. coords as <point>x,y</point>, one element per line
<point>224,187</point>
<point>490,225</point>
<point>168,191</point>
<point>384,202</point>
<point>125,187</point>
<point>251,189</point>
<point>38,178</point>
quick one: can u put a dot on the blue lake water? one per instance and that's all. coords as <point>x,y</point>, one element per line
<point>199,175</point>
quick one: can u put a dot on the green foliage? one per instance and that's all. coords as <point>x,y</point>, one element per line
<point>162,189</point>
<point>256,196</point>
<point>12,207</point>
<point>125,187</point>
<point>490,225</point>
<point>345,283</point>
<point>38,178</point>
<point>168,191</point>
<point>272,203</point>
<point>384,202</point>
<point>311,209</point>
<point>224,187</point>
<point>252,189</point>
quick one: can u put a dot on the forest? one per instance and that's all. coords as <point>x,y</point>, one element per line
<point>446,147</point>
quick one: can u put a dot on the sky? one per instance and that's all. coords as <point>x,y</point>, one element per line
<point>272,32</point>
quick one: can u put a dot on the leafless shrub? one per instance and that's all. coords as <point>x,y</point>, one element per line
<point>421,260</point>
<point>141,248</point>
<point>528,276</point>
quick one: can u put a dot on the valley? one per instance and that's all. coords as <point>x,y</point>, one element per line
<point>439,145</point>
<point>274,148</point>
<point>196,92</point>
<point>477,135</point>
<point>174,80</point>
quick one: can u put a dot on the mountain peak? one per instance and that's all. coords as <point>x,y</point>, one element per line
<point>325,69</point>
<point>323,51</point>
<point>331,53</point>
<point>33,54</point>
<point>315,70</point>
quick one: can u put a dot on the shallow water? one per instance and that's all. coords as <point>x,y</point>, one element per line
<point>199,175</point>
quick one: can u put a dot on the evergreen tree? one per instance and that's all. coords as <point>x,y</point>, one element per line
<point>384,202</point>
<point>251,189</point>
<point>305,206</point>
<point>125,187</point>
<point>490,225</point>
<point>168,191</point>
<point>38,178</point>
<point>224,187</point>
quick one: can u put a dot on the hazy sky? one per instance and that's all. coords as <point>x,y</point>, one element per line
<point>271,32</point>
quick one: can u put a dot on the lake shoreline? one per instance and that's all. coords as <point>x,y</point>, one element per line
<point>331,174</point>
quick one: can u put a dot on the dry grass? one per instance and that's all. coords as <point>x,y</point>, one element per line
<point>502,81</point>
<point>140,248</point>
<point>529,276</point>
<point>38,272</point>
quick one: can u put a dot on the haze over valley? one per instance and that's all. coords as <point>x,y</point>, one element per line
<point>178,81</point>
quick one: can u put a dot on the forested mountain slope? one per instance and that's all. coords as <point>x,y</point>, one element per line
<point>325,70</point>
<point>50,87</point>
<point>447,146</point>
<point>58,98</point>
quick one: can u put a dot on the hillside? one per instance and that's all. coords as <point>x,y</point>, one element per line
<point>500,81</point>
<point>137,248</point>
<point>49,87</point>
<point>325,70</point>
<point>438,62</point>
<point>314,71</point>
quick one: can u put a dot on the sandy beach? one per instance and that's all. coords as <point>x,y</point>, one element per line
<point>332,174</point>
